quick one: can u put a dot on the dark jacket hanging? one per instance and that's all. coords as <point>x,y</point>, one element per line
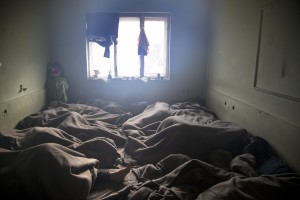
<point>143,43</point>
<point>102,28</point>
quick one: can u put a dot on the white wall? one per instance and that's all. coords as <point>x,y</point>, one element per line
<point>24,53</point>
<point>234,34</point>
<point>187,51</point>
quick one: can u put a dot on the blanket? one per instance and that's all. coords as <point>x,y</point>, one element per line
<point>180,177</point>
<point>163,130</point>
<point>49,171</point>
<point>177,151</point>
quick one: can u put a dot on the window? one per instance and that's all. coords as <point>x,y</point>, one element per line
<point>124,61</point>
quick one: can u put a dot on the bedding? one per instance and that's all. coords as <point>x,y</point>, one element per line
<point>178,150</point>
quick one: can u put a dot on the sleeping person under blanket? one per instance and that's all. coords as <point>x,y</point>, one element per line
<point>52,171</point>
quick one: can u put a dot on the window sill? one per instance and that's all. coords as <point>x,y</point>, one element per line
<point>145,79</point>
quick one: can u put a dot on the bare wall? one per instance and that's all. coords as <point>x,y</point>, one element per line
<point>234,35</point>
<point>187,50</point>
<point>24,53</point>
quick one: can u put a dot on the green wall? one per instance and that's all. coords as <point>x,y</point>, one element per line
<point>24,53</point>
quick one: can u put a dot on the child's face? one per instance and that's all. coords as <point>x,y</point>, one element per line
<point>54,70</point>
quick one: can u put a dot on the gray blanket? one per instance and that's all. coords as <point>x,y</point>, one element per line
<point>179,177</point>
<point>162,130</point>
<point>177,151</point>
<point>54,152</point>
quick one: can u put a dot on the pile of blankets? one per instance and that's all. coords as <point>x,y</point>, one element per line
<point>176,151</point>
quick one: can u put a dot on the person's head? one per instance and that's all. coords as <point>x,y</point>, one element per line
<point>54,69</point>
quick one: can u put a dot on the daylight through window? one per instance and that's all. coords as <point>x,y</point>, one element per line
<point>125,60</point>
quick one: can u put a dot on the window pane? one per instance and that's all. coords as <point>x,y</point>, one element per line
<point>155,61</point>
<point>127,58</point>
<point>98,62</point>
